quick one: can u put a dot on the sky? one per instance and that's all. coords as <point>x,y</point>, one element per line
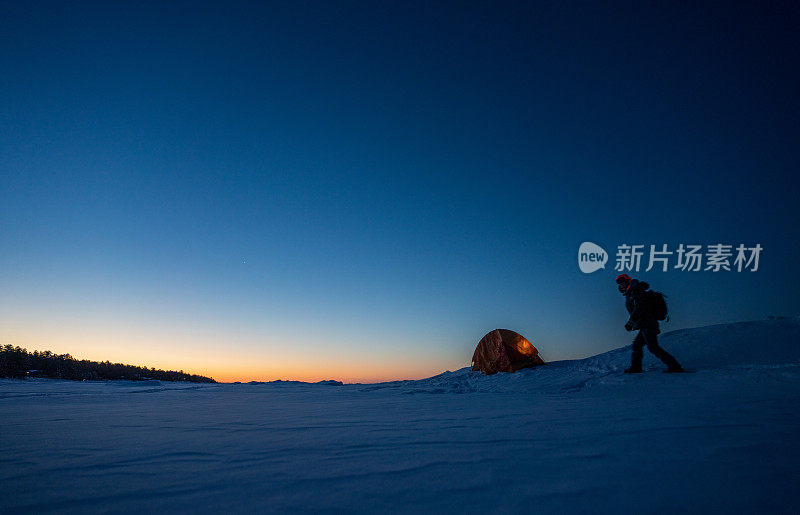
<point>361,190</point>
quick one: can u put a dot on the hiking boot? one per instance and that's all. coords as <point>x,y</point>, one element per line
<point>633,370</point>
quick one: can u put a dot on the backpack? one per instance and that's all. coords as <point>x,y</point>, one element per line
<point>656,305</point>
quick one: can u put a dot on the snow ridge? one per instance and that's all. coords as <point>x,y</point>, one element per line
<point>764,345</point>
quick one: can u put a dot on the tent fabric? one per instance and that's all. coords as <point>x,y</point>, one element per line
<point>503,350</point>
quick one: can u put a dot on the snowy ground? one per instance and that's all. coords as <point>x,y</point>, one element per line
<point>573,436</point>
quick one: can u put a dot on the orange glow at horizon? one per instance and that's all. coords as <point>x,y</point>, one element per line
<point>365,372</point>
<point>204,355</point>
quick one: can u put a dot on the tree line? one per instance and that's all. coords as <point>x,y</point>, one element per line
<point>18,363</point>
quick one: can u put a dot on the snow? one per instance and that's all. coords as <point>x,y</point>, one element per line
<point>572,436</point>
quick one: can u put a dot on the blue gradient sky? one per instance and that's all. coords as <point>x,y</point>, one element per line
<point>361,190</point>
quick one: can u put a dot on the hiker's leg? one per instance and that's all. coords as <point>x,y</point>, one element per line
<point>638,352</point>
<point>651,340</point>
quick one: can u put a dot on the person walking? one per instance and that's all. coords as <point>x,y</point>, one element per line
<point>642,319</point>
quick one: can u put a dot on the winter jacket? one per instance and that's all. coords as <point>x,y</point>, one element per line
<point>640,317</point>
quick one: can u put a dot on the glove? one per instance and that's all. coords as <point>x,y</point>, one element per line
<point>629,326</point>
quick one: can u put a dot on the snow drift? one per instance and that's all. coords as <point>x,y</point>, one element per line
<point>753,346</point>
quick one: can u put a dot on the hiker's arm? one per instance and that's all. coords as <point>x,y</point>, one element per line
<point>637,313</point>
<point>638,308</point>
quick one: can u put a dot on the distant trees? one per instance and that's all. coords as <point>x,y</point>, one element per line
<point>18,363</point>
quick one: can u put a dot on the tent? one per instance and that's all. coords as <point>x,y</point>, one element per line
<point>503,350</point>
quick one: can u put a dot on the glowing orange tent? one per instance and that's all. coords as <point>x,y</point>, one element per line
<point>502,350</point>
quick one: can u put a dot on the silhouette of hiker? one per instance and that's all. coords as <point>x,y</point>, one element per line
<point>646,323</point>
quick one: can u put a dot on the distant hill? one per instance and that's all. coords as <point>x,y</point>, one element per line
<point>16,362</point>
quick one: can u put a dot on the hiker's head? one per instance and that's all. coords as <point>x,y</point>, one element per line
<point>623,283</point>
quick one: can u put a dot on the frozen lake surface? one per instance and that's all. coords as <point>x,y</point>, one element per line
<point>572,436</point>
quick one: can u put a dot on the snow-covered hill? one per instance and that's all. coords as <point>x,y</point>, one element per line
<point>571,436</point>
<point>744,348</point>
